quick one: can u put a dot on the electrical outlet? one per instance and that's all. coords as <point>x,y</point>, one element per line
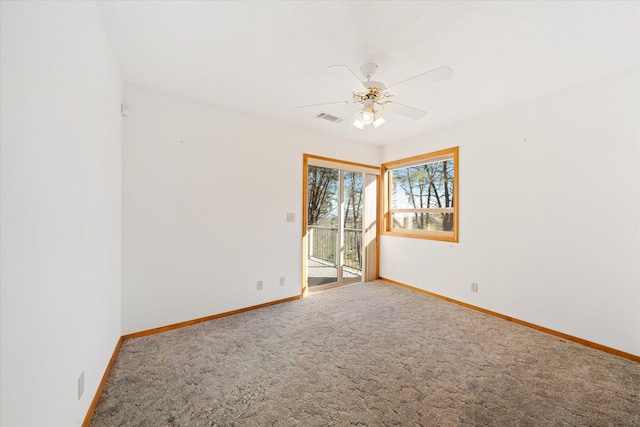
<point>291,217</point>
<point>259,285</point>
<point>474,287</point>
<point>282,281</point>
<point>80,385</point>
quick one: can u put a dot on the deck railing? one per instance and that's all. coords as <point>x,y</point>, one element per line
<point>323,242</point>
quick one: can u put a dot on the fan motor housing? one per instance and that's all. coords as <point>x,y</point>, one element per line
<point>378,85</point>
<point>376,91</point>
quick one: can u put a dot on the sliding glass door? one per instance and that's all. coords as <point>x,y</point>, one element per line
<point>334,226</point>
<point>340,226</point>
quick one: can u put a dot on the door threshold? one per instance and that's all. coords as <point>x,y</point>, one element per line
<point>319,288</point>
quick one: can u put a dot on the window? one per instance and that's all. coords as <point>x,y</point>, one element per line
<point>421,196</point>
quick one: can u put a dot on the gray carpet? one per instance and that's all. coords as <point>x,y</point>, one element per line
<point>370,355</point>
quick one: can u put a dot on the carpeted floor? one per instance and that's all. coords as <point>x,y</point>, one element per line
<point>369,354</point>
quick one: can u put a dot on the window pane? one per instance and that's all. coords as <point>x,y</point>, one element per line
<point>353,200</point>
<point>422,221</point>
<point>352,223</point>
<point>322,219</point>
<point>322,193</point>
<point>423,186</point>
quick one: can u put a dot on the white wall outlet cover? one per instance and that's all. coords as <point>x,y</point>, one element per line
<point>291,217</point>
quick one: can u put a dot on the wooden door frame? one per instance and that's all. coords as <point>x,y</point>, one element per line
<point>342,165</point>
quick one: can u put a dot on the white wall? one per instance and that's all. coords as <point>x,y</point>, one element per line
<point>549,214</point>
<point>206,193</point>
<point>61,137</point>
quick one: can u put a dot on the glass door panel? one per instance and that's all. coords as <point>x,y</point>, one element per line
<point>323,216</point>
<point>352,226</point>
<point>334,226</point>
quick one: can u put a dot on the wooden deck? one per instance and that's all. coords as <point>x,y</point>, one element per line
<point>322,273</point>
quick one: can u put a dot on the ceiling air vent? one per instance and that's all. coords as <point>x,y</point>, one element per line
<point>329,117</point>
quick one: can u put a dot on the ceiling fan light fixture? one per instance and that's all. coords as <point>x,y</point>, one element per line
<point>379,121</point>
<point>366,117</point>
<point>357,123</point>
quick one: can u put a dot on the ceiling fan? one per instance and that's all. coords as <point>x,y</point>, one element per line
<point>373,95</point>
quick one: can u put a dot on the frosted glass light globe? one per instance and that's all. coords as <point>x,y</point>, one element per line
<point>366,117</point>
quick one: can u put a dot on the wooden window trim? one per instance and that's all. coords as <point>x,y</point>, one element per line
<point>385,213</point>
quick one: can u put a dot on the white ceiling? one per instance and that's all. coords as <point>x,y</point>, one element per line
<point>266,58</point>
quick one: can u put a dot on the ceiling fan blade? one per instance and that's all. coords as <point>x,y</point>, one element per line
<point>349,78</point>
<point>434,76</point>
<point>404,110</point>
<point>325,103</point>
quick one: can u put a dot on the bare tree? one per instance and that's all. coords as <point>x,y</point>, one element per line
<point>427,186</point>
<point>322,187</point>
<point>353,200</point>
<point>352,222</point>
